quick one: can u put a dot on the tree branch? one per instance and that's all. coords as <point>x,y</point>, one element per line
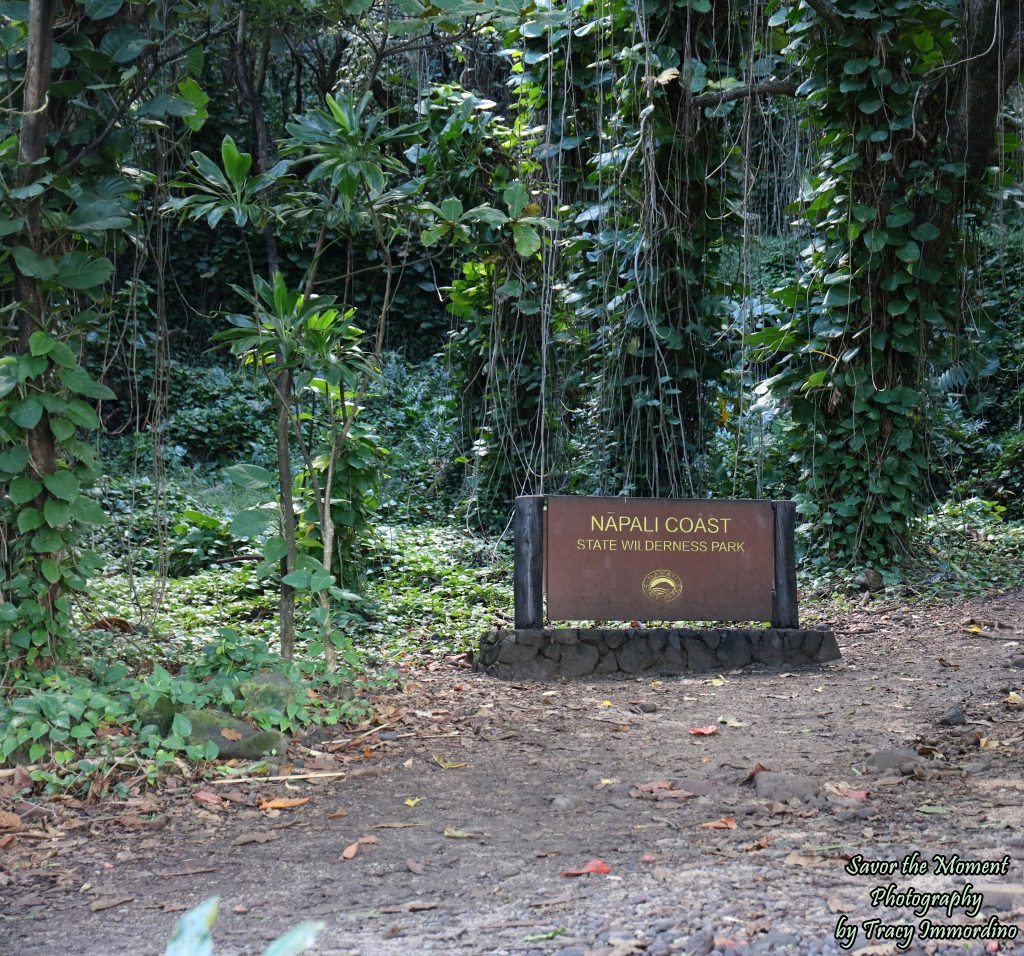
<point>770,88</point>
<point>140,88</point>
<point>827,11</point>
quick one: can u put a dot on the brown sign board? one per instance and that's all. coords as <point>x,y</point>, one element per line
<point>658,559</point>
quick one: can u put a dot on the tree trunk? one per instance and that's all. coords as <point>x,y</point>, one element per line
<point>283,383</point>
<point>28,290</point>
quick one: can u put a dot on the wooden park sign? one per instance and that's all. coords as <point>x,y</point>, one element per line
<point>654,559</point>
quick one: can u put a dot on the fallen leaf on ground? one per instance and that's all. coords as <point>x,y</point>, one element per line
<point>412,801</point>
<point>204,796</point>
<point>853,794</point>
<point>9,821</point>
<point>724,823</point>
<point>799,859</point>
<point>551,933</point>
<point>395,825</point>
<point>350,851</point>
<point>648,858</point>
<point>444,763</point>
<point>652,786</point>
<point>605,703</point>
<point>228,734</point>
<point>761,844</point>
<point>758,768</point>
<point>246,838</point>
<point>6,841</point>
<point>597,867</point>
<point>106,904</point>
<point>454,834</point>
<point>337,815</point>
<point>718,681</point>
<point>414,866</point>
<point>620,729</point>
<point>703,731</point>
<point>1014,698</point>
<point>284,803</point>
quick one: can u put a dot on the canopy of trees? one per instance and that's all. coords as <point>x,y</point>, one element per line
<point>666,247</point>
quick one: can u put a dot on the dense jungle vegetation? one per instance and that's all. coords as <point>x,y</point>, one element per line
<point>296,297</point>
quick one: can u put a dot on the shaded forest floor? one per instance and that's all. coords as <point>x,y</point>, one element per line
<point>461,814</point>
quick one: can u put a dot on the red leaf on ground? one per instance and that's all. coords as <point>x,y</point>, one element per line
<point>284,803</point>
<point>853,794</point>
<point>704,731</point>
<point>749,778</point>
<point>648,858</point>
<point>204,796</point>
<point>594,866</point>
<point>725,823</point>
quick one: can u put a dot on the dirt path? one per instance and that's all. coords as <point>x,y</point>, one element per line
<point>469,859</point>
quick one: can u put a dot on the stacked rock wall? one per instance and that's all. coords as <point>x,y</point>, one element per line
<point>549,654</point>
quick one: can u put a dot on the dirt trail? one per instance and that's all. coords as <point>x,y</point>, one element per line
<point>557,775</point>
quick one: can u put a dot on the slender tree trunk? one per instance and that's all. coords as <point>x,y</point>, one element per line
<point>28,290</point>
<point>283,384</point>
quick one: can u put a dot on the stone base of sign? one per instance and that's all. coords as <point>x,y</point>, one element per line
<point>550,654</point>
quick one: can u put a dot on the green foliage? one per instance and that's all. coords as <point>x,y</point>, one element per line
<point>193,936</point>
<point>438,590</point>
<point>415,411</point>
<point>879,294</point>
<point>45,501</point>
<point>216,416</point>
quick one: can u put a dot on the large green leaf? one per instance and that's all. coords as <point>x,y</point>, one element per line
<point>57,513</point>
<point>192,933</point>
<point>29,520</point>
<point>101,9</point>
<point>32,265</point>
<point>40,343</point>
<point>14,460</point>
<point>26,413</point>
<point>88,511</point>
<point>23,489</point>
<point>63,485</point>
<point>193,92</point>
<point>250,524</point>
<point>79,270</point>
<point>123,44</point>
<point>8,375</point>
<point>248,476</point>
<point>295,941</point>
<point>236,164</point>
<point>98,215</point>
<point>526,239</point>
<point>82,414</point>
<point>82,383</point>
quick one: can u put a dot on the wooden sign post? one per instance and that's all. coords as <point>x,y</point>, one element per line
<point>654,559</point>
<point>651,559</point>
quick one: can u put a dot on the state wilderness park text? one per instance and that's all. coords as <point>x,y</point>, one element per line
<point>713,529</point>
